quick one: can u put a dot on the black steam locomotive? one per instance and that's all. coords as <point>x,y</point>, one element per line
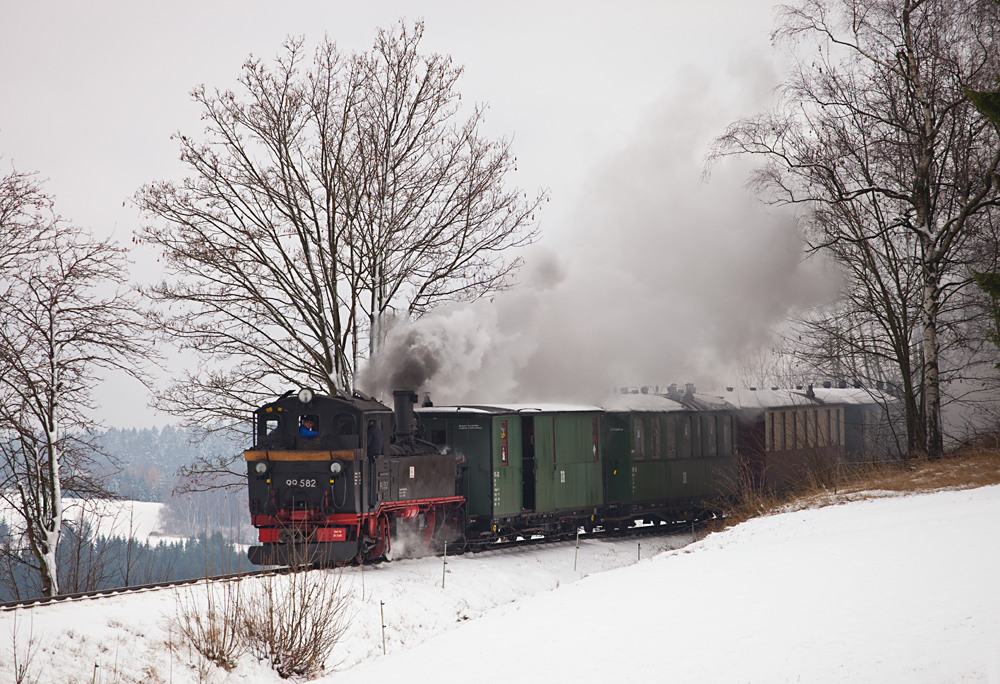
<point>326,487</point>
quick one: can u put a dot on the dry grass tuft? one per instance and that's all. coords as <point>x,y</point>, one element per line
<point>213,630</point>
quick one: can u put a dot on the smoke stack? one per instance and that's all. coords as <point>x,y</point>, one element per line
<point>672,392</point>
<point>689,391</point>
<point>403,401</point>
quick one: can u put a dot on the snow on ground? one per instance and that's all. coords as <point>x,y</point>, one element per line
<point>898,589</point>
<point>139,519</point>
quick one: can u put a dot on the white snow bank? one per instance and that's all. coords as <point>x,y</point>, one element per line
<point>891,590</point>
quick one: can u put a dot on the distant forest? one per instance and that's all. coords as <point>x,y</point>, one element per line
<point>94,563</point>
<point>142,464</point>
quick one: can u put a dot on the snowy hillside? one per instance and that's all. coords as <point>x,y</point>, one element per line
<point>900,589</point>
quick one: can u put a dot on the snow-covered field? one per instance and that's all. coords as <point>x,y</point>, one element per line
<point>900,589</point>
<point>139,519</point>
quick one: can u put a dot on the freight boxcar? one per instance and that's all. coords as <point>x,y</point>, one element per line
<point>792,436</point>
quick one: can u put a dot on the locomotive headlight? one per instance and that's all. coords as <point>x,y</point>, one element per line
<point>305,395</point>
<point>260,467</point>
<point>336,467</point>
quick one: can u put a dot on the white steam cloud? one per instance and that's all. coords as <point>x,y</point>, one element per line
<point>664,278</point>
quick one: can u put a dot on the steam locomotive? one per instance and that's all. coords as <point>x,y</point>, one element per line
<point>325,487</point>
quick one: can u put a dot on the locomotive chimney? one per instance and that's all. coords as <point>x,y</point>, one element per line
<point>403,401</point>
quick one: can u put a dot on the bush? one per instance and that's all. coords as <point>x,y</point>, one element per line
<point>215,632</point>
<point>294,621</point>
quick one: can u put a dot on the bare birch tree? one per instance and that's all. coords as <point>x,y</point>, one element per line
<point>321,197</point>
<point>63,318</point>
<point>874,129</point>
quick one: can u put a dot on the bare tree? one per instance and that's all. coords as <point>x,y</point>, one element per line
<point>25,218</point>
<point>63,317</point>
<point>874,129</point>
<point>321,198</point>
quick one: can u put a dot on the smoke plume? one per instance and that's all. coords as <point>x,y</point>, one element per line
<point>658,277</point>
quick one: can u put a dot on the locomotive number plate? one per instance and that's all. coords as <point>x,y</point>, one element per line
<point>300,483</point>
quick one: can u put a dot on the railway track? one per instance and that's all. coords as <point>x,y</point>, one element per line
<point>138,588</point>
<point>633,532</point>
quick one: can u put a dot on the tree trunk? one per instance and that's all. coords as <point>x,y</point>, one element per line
<point>934,444</point>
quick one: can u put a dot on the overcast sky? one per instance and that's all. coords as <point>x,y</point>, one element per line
<point>90,92</point>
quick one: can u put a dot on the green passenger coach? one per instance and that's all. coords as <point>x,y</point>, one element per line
<point>666,456</point>
<point>526,469</point>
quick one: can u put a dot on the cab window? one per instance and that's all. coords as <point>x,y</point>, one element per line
<point>343,424</point>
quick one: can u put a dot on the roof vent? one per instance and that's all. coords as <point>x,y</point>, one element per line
<point>798,387</point>
<point>645,390</point>
<point>857,384</point>
<point>827,384</point>
<point>623,390</point>
<point>729,389</point>
<point>689,391</point>
<point>672,392</point>
<point>879,385</point>
<point>753,389</point>
<point>841,384</point>
<point>775,388</point>
<point>427,400</point>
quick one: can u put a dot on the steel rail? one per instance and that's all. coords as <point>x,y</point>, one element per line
<point>107,593</point>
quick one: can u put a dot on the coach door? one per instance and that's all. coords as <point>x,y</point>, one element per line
<point>528,463</point>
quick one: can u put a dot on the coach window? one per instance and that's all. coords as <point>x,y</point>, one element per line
<point>670,427</point>
<point>696,446</point>
<point>709,431</point>
<point>653,430</point>
<point>769,431</point>
<point>836,427</point>
<point>727,435</point>
<point>684,449</point>
<point>637,438</point>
